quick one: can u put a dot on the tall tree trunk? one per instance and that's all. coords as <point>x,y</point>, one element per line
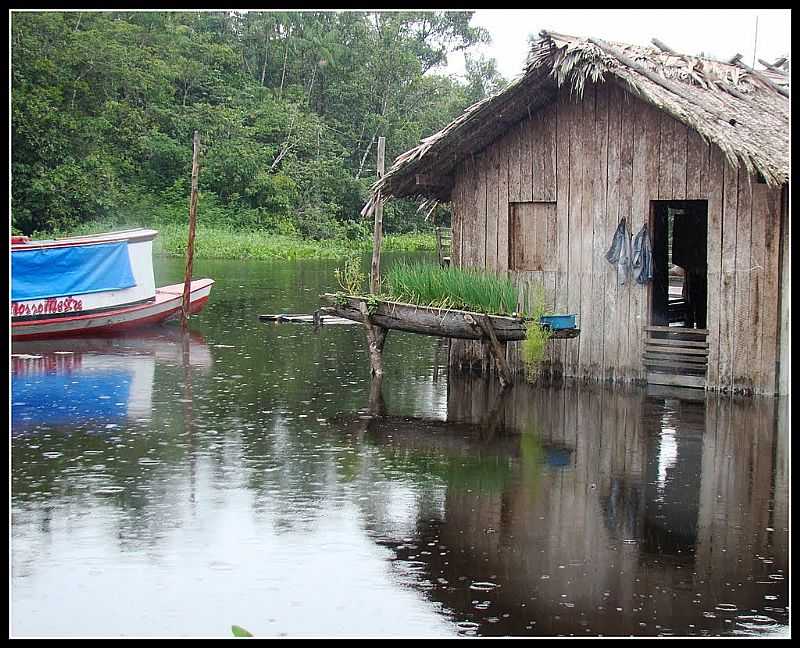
<point>285,57</point>
<point>286,146</point>
<point>245,64</point>
<point>366,153</point>
<point>266,51</point>
<point>374,135</point>
<point>311,85</point>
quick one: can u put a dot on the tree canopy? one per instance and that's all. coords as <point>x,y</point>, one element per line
<point>289,106</point>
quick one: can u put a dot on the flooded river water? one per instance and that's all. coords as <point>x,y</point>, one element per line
<point>175,487</point>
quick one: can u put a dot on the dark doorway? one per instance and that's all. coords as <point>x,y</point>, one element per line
<point>680,268</point>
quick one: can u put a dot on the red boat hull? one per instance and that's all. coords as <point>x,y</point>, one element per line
<point>167,303</point>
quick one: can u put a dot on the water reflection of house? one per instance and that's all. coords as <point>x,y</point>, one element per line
<point>643,531</point>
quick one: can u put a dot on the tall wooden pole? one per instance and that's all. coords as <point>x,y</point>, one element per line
<point>755,43</point>
<point>376,335</point>
<point>187,278</point>
<point>377,239</point>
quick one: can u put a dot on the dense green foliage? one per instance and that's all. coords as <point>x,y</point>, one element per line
<point>289,106</point>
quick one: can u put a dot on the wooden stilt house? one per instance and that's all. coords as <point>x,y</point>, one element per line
<point>541,174</point>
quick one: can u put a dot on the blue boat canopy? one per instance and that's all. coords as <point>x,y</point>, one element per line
<point>39,273</point>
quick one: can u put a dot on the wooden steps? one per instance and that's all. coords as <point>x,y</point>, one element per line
<point>676,356</point>
<point>444,245</point>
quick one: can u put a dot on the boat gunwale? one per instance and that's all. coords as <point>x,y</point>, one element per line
<point>167,296</point>
<point>133,235</point>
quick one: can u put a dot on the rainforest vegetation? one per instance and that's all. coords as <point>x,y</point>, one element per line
<point>289,107</point>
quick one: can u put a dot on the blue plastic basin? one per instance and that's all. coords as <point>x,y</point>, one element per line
<point>558,321</point>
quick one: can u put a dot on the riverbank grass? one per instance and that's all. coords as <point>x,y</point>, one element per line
<point>220,243</point>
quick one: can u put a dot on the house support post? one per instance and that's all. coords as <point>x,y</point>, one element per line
<point>498,350</point>
<point>376,335</point>
<point>377,405</point>
<point>376,338</point>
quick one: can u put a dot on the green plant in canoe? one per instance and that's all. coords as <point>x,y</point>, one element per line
<point>474,290</point>
<point>428,284</point>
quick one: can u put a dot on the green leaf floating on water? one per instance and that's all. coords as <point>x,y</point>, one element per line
<point>238,631</point>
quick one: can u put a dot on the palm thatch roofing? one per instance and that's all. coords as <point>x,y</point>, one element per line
<point>743,111</point>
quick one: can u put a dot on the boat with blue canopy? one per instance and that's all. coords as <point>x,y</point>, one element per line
<point>97,284</point>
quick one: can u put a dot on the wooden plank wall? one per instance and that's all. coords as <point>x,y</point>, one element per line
<point>600,158</point>
<point>785,344</point>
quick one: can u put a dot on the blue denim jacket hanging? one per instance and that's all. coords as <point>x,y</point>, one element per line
<point>642,260</point>
<point>619,254</point>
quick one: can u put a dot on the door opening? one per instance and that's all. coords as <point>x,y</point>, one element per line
<point>680,268</point>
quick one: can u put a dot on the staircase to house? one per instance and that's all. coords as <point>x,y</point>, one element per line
<point>444,244</point>
<point>676,356</point>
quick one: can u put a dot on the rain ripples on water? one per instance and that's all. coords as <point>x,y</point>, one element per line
<point>250,474</point>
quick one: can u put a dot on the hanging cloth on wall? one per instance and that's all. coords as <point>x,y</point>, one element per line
<point>619,254</point>
<point>642,259</point>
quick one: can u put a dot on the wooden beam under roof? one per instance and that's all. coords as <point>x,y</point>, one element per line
<point>656,78</point>
<point>725,87</point>
<point>663,47</point>
<point>773,67</point>
<point>758,75</point>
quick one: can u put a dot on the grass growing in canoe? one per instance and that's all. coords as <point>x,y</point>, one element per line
<point>428,284</point>
<point>473,290</point>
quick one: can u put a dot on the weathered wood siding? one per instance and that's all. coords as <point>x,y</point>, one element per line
<point>785,372</point>
<point>600,158</point>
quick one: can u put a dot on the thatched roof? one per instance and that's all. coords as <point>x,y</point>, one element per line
<point>743,111</point>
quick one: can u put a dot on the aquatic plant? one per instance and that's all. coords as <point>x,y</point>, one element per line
<point>534,345</point>
<point>350,276</point>
<point>428,284</point>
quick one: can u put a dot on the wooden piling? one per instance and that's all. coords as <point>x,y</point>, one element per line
<point>187,278</point>
<point>377,240</point>
<point>376,338</point>
<point>376,335</point>
<point>497,350</point>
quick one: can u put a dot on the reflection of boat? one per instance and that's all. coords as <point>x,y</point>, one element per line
<point>96,284</point>
<point>100,380</point>
<point>162,342</point>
